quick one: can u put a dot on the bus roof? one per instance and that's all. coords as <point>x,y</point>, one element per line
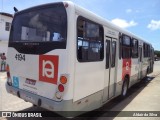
<point>105,22</point>
<point>95,17</point>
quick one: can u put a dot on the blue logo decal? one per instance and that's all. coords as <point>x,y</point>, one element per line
<point>16,82</point>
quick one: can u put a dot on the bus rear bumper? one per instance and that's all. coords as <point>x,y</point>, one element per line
<point>58,107</point>
<point>66,108</point>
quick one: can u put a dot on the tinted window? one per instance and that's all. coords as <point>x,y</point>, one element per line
<point>107,53</point>
<point>113,53</point>
<point>90,41</point>
<point>126,40</point>
<point>146,50</point>
<point>149,49</point>
<point>126,47</point>
<point>134,48</point>
<point>45,26</point>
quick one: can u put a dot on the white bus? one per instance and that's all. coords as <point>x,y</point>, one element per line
<point>62,57</point>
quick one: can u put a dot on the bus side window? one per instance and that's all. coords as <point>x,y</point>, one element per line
<point>126,47</point>
<point>146,50</point>
<point>90,39</point>
<point>80,52</point>
<point>134,48</point>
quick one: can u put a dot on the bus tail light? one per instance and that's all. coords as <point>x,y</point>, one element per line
<point>9,81</point>
<point>60,88</point>
<point>63,79</point>
<point>7,68</point>
<point>62,84</point>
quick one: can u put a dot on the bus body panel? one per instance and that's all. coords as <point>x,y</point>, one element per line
<point>119,82</point>
<point>28,71</point>
<point>71,35</point>
<point>134,71</point>
<point>65,108</point>
<point>89,84</point>
<point>88,75</point>
<point>110,79</point>
<point>26,74</point>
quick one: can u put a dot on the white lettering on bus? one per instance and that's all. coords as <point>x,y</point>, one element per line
<point>127,66</point>
<point>48,72</point>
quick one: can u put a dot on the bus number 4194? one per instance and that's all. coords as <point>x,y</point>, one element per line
<point>20,57</point>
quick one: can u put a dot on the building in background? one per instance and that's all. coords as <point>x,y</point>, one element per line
<point>5,25</point>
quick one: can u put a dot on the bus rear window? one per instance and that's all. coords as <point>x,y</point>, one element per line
<point>44,25</point>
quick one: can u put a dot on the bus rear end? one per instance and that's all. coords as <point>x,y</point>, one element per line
<point>37,56</point>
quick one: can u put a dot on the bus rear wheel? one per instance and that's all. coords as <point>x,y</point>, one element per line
<point>124,88</point>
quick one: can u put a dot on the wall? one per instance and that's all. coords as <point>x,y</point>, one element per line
<point>4,35</point>
<point>3,46</point>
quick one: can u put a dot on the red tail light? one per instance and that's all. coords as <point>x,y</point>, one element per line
<point>60,87</point>
<point>7,68</point>
<point>8,71</point>
<point>9,81</point>
<point>8,75</point>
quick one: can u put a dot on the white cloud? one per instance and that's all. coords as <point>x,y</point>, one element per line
<point>123,23</point>
<point>137,11</point>
<point>133,11</point>
<point>128,10</point>
<point>154,25</point>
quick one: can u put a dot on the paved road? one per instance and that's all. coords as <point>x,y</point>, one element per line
<point>10,102</point>
<point>144,96</point>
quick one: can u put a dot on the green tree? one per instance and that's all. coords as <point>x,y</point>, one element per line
<point>156,52</point>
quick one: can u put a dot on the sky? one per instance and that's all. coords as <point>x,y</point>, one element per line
<point>141,17</point>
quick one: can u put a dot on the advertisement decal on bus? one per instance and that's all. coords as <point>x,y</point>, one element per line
<point>48,68</point>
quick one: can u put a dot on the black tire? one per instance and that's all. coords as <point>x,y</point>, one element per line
<point>148,71</point>
<point>34,105</point>
<point>145,77</point>
<point>124,88</point>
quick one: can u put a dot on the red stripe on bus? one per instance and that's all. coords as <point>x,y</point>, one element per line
<point>126,67</point>
<point>48,68</point>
